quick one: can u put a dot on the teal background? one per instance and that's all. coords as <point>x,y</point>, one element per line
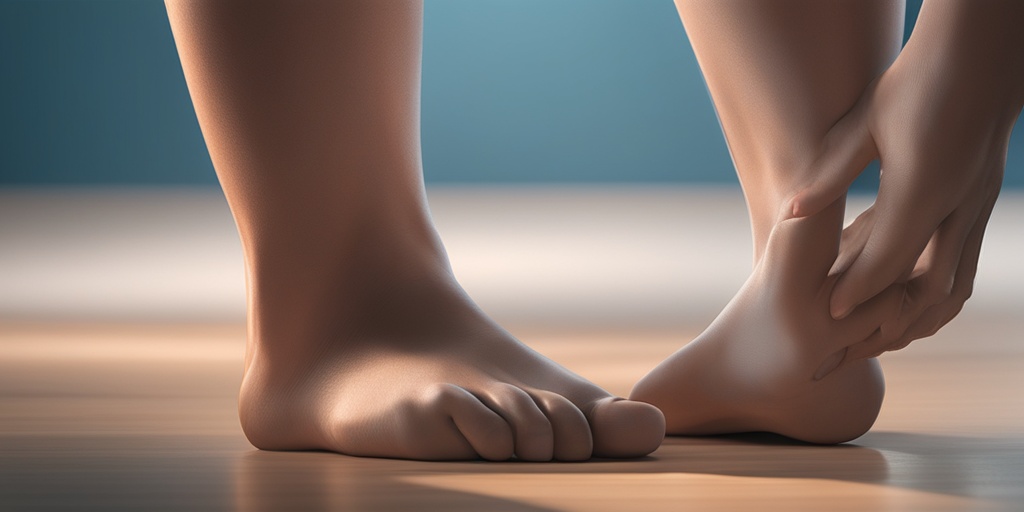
<point>513,91</point>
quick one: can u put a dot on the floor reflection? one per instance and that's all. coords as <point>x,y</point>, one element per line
<point>886,469</point>
<point>276,481</point>
<point>156,429</point>
<point>982,466</point>
<point>268,481</point>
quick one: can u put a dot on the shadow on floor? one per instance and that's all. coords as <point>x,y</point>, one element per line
<point>114,473</point>
<point>945,465</point>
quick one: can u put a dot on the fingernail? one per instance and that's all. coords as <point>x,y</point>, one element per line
<point>840,312</point>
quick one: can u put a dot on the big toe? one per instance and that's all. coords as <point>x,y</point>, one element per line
<point>625,428</point>
<point>651,388</point>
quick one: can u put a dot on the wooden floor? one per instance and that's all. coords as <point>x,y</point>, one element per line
<point>142,417</point>
<point>132,405</point>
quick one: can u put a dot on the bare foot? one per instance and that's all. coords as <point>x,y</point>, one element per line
<point>773,359</point>
<point>396,361</point>
<point>360,339</point>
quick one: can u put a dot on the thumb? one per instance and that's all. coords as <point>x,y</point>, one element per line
<point>846,150</point>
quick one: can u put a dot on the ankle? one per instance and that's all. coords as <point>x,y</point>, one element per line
<point>330,246</point>
<point>330,274</point>
<point>770,180</point>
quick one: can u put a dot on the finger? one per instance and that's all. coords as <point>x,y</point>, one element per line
<point>847,149</point>
<point>487,432</point>
<point>862,324</point>
<point>935,317</point>
<point>936,269</point>
<point>865,321</point>
<point>573,440</point>
<point>906,221</point>
<point>531,430</point>
<point>852,242</point>
<point>871,346</point>
<point>927,323</point>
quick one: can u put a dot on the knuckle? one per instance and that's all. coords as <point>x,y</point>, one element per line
<point>954,312</point>
<point>516,396</point>
<point>522,404</point>
<point>900,345</point>
<point>933,291</point>
<point>937,324</point>
<point>897,347</point>
<point>965,293</point>
<point>440,394</point>
<point>888,344</point>
<point>889,332</point>
<point>505,389</point>
<point>564,411</point>
<point>554,408</point>
<point>935,296</point>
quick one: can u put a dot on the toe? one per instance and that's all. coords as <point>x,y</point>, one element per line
<point>572,437</point>
<point>487,432</point>
<point>531,430</point>
<point>625,428</point>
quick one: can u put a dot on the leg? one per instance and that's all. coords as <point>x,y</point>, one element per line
<point>780,75</point>
<point>360,339</point>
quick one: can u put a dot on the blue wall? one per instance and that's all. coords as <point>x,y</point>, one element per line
<point>513,91</point>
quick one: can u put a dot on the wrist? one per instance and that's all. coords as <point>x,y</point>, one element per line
<point>975,47</point>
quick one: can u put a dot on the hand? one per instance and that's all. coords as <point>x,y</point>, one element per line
<point>918,319</point>
<point>941,135</point>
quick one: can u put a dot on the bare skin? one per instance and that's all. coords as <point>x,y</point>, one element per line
<point>780,75</point>
<point>769,361</point>
<point>962,74</point>
<point>360,339</point>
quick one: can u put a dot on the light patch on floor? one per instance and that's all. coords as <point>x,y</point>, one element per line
<point>682,491</point>
<point>121,338</point>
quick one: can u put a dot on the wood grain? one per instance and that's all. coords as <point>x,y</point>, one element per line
<point>142,416</point>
